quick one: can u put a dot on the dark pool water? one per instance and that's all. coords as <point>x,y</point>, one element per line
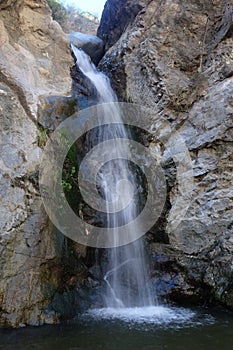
<point>170,329</point>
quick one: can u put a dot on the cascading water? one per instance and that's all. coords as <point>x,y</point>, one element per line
<point>126,275</point>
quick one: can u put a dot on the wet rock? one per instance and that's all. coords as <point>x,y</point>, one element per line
<point>92,45</point>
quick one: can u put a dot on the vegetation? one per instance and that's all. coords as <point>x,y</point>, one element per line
<point>69,170</point>
<point>42,138</point>
<point>59,12</point>
<point>70,19</point>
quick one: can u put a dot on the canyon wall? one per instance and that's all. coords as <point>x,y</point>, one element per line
<point>172,56</point>
<point>176,57</point>
<point>36,273</point>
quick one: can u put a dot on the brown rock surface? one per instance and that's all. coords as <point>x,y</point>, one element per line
<point>34,53</point>
<point>35,63</point>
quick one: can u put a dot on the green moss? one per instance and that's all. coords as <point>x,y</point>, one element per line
<point>42,138</point>
<point>72,102</point>
<point>70,163</point>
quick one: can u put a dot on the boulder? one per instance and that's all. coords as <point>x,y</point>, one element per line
<point>92,45</point>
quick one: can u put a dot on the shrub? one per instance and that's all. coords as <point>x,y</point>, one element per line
<point>59,12</point>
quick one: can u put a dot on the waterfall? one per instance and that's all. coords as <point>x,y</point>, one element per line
<point>126,276</point>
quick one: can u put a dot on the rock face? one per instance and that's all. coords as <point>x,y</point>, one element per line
<point>34,54</point>
<point>35,61</point>
<point>80,22</point>
<point>173,56</point>
<point>90,44</point>
<point>117,15</point>
<point>176,58</point>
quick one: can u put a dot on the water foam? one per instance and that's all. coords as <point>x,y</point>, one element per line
<point>161,315</point>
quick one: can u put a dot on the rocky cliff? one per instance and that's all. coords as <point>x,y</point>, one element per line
<point>177,58</point>
<point>71,20</point>
<point>172,56</point>
<point>37,277</point>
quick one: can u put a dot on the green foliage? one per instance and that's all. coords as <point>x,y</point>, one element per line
<point>59,12</point>
<point>72,103</point>
<point>42,137</point>
<point>68,178</point>
<point>71,19</point>
<point>70,163</point>
<point>70,174</point>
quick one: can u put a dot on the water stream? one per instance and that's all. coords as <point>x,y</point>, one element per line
<point>131,319</point>
<point>130,305</point>
<point>126,274</point>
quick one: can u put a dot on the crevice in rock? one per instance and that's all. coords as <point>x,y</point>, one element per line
<point>19,93</point>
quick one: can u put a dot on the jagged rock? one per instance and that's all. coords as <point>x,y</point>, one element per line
<point>80,22</point>
<point>25,241</point>
<point>117,15</point>
<point>90,44</point>
<point>169,55</point>
<point>176,57</point>
<point>35,62</point>
<point>34,53</point>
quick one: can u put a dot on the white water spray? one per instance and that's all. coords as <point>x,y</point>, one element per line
<point>126,275</point>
